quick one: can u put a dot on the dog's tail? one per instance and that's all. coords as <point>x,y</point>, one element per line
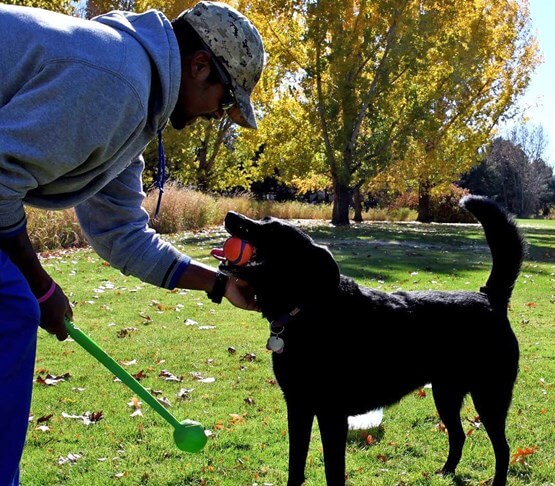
<point>506,245</point>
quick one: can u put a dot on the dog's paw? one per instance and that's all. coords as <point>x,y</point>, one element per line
<point>446,471</point>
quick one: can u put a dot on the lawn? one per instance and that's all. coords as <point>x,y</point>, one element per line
<point>209,362</point>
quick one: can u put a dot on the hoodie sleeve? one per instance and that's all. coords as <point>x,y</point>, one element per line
<point>116,226</point>
<point>68,118</point>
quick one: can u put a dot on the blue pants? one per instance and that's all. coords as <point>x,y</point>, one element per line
<point>19,320</point>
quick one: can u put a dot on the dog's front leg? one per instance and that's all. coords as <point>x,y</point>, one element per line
<point>333,430</point>
<point>299,419</point>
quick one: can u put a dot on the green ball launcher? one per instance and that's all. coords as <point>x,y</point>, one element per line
<point>188,435</point>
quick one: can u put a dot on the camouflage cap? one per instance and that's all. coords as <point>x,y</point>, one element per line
<point>238,48</point>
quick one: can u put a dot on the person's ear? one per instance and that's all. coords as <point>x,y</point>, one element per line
<point>200,65</point>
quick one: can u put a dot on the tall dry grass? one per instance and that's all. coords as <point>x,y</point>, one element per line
<point>50,230</point>
<point>185,210</point>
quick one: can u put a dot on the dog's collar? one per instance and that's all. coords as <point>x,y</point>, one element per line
<point>277,326</point>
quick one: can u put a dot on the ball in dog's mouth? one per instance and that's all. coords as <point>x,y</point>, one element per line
<point>220,255</point>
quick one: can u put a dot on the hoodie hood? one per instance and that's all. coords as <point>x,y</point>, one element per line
<point>153,31</point>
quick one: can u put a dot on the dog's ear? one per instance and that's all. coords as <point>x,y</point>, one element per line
<point>325,271</point>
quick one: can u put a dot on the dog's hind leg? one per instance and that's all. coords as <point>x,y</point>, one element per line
<point>493,405</point>
<point>333,430</point>
<point>448,400</point>
<point>299,420</point>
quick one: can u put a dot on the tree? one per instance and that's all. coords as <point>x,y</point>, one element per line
<point>420,82</point>
<point>61,6</point>
<point>481,64</point>
<point>515,174</point>
<point>99,7</point>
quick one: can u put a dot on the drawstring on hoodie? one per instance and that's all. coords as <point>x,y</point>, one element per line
<point>160,173</point>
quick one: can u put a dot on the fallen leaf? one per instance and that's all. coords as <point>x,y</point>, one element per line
<point>135,403</point>
<point>164,401</point>
<point>88,418</point>
<point>126,332</point>
<point>250,357</point>
<point>45,418</point>
<point>185,393</point>
<point>128,363</point>
<point>522,453</point>
<point>51,380</point>
<point>475,422</point>
<point>236,418</point>
<point>198,377</point>
<point>71,458</point>
<point>140,375</point>
<point>169,377</point>
<point>421,393</point>
<point>43,428</point>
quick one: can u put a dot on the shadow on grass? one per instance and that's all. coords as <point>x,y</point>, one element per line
<point>384,251</point>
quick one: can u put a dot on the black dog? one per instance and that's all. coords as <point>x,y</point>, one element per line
<point>322,325</point>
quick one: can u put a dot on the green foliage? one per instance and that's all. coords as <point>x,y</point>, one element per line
<point>243,407</point>
<point>62,6</point>
<point>420,85</point>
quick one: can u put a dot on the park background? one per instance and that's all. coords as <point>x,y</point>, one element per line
<point>369,111</point>
<point>380,105</point>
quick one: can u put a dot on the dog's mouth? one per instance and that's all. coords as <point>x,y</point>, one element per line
<point>218,254</point>
<point>241,227</point>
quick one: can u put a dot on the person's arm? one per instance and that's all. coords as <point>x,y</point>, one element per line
<point>56,306</point>
<point>116,226</point>
<point>198,276</point>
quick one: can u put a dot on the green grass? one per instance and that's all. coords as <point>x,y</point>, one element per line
<point>243,407</point>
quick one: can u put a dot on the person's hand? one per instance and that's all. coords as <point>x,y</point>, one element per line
<point>241,294</point>
<point>53,312</point>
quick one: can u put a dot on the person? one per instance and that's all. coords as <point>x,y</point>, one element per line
<point>79,102</point>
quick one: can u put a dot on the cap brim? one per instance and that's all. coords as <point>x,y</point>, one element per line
<point>243,112</point>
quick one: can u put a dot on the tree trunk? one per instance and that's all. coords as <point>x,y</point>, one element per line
<point>341,201</point>
<point>424,203</point>
<point>357,203</point>
<point>202,168</point>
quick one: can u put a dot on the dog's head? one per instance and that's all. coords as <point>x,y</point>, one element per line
<point>288,269</point>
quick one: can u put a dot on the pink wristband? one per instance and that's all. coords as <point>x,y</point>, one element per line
<point>48,294</point>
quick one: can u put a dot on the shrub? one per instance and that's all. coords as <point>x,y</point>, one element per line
<point>444,207</point>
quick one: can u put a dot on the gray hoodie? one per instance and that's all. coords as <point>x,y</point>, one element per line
<point>79,102</point>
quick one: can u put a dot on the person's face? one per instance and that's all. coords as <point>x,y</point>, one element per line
<point>197,97</point>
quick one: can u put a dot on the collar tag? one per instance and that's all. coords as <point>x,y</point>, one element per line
<point>275,344</point>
